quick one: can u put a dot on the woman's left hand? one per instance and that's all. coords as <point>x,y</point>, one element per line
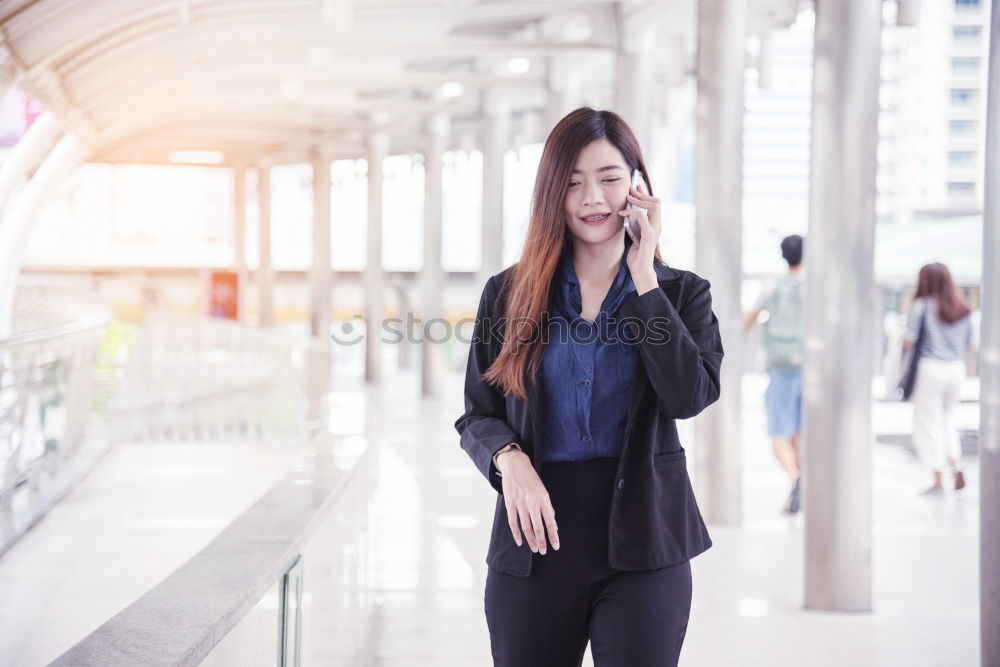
<point>640,257</point>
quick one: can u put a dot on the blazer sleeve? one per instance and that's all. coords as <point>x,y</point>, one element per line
<point>483,427</point>
<point>681,351</point>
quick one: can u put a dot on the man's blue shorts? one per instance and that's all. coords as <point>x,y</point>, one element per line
<point>783,402</point>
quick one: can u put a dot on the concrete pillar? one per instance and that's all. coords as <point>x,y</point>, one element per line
<point>908,13</point>
<point>23,159</point>
<point>764,58</point>
<point>673,109</point>
<point>496,132</point>
<point>432,275</point>
<point>374,279</point>
<point>837,433</point>
<point>718,245</point>
<point>634,82</point>
<point>785,12</point>
<point>240,240</point>
<point>22,214</point>
<point>265,271</point>
<point>989,370</point>
<point>563,89</point>
<point>405,348</point>
<point>320,274</point>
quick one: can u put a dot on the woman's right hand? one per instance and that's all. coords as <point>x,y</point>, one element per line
<point>526,499</point>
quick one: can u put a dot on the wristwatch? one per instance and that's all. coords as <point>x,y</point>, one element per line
<point>505,448</point>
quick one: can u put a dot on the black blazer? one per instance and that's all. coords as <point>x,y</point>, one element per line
<point>655,521</point>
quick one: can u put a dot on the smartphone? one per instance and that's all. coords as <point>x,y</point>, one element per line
<point>630,223</point>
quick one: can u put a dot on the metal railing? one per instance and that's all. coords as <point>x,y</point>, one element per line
<point>50,435</point>
<point>70,390</point>
<point>193,378</point>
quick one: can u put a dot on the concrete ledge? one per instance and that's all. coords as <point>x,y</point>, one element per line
<point>182,618</point>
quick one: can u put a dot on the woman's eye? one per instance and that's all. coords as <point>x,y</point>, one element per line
<point>607,180</point>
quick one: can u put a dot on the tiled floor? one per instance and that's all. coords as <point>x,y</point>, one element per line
<point>112,539</point>
<point>748,588</point>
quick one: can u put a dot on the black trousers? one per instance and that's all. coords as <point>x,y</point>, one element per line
<point>631,618</point>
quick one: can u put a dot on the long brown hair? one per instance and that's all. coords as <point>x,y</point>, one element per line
<point>935,281</point>
<point>529,282</point>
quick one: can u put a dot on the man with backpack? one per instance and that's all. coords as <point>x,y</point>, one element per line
<point>784,334</point>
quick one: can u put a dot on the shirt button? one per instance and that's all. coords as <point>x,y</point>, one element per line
<point>586,438</point>
<point>587,382</point>
<point>621,483</point>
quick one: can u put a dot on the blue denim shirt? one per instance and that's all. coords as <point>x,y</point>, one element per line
<point>586,371</point>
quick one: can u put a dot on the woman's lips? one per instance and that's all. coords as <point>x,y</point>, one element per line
<point>596,222</point>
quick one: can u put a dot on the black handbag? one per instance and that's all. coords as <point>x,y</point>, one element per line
<point>911,357</point>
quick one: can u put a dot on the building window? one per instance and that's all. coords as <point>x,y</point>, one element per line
<point>964,66</point>
<point>964,97</point>
<point>961,188</point>
<point>966,34</point>
<point>962,128</point>
<point>961,159</point>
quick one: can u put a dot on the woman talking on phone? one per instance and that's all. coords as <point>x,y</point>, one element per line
<point>584,354</point>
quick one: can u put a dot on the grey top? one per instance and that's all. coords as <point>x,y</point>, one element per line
<point>941,340</point>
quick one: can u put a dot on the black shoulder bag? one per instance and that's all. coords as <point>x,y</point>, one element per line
<point>911,358</point>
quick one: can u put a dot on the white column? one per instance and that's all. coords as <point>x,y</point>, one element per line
<point>23,159</point>
<point>673,111</point>
<point>718,245</point>
<point>989,370</point>
<point>432,275</point>
<point>634,81</point>
<point>265,272</point>
<point>405,347</point>
<point>240,239</point>
<point>563,88</point>
<point>319,283</point>
<point>785,12</point>
<point>16,225</point>
<point>374,278</point>
<point>320,274</point>
<point>496,132</point>
<point>837,432</point>
<point>764,58</point>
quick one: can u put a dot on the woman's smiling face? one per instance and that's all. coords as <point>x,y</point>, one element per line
<point>599,185</point>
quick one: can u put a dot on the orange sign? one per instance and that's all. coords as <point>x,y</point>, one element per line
<point>223,295</point>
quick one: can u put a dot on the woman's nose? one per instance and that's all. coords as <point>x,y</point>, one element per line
<point>593,196</point>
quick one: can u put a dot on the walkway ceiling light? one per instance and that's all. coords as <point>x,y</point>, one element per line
<point>197,157</point>
<point>518,65</point>
<point>292,91</point>
<point>452,89</point>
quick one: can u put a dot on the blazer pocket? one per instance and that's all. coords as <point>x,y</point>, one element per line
<point>666,458</point>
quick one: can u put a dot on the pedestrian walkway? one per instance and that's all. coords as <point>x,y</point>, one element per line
<point>747,606</point>
<point>145,509</point>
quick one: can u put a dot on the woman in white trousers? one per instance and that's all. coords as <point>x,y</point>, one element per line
<point>946,332</point>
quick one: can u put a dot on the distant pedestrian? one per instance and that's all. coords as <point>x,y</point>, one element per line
<point>784,333</point>
<point>940,316</point>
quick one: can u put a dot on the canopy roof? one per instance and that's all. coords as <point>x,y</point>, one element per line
<point>134,78</point>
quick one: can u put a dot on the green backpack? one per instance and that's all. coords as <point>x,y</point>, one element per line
<point>784,331</point>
